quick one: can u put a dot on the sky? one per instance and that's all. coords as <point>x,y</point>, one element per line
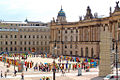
<point>45,10</point>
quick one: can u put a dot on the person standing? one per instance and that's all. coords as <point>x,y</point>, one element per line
<point>15,72</point>
<point>22,76</point>
<point>1,74</point>
<point>5,74</point>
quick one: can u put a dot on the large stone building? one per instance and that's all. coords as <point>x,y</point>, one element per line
<point>24,36</point>
<point>82,38</point>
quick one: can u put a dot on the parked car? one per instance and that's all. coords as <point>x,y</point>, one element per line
<point>111,77</point>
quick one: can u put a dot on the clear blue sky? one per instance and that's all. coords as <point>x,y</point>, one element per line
<point>45,10</point>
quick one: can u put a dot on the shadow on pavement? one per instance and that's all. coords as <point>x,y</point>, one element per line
<point>97,78</point>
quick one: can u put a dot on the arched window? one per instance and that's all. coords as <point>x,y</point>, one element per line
<point>37,36</point>
<point>41,43</point>
<point>33,43</point>
<point>20,48</point>
<point>6,43</point>
<point>15,42</point>
<point>29,36</point>
<point>25,49</point>
<point>6,36</point>
<point>24,36</point>
<point>15,49</point>
<point>29,49</point>
<point>37,42</point>
<point>86,52</point>
<point>33,36</point>
<point>25,43</point>
<point>11,42</point>
<point>1,36</point>
<point>6,49</point>
<point>81,52</point>
<point>29,42</point>
<point>65,46</point>
<point>76,53</point>
<point>92,52</point>
<point>70,53</point>
<point>11,49</point>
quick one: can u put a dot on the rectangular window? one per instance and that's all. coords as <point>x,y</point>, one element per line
<point>1,42</point>
<point>41,36</point>
<point>45,37</point>
<point>6,43</point>
<point>25,42</point>
<point>65,46</point>
<point>20,42</point>
<point>45,43</point>
<point>118,25</point>
<point>33,36</point>
<point>25,36</point>
<point>1,36</point>
<point>59,31</point>
<point>15,42</point>
<point>76,31</point>
<point>65,31</point>
<point>76,52</point>
<point>71,31</point>
<point>6,36</point>
<point>37,36</point>
<point>29,36</point>
<point>10,36</point>
<point>33,43</point>
<point>29,43</point>
<point>20,36</point>
<point>11,42</point>
<point>15,36</point>
<point>37,42</point>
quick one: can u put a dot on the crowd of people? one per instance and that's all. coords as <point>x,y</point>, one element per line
<point>71,64</point>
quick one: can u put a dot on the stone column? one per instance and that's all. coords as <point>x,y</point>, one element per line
<point>105,52</point>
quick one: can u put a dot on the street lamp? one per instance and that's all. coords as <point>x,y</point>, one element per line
<point>54,61</point>
<point>116,57</point>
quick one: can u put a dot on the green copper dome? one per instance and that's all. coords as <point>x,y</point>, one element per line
<point>61,12</point>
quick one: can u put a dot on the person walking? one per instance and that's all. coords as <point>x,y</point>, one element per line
<point>1,74</point>
<point>5,74</point>
<point>15,73</point>
<point>22,76</point>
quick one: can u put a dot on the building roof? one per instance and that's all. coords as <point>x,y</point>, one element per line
<point>14,22</point>
<point>34,26</point>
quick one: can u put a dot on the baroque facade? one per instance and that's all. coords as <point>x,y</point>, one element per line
<point>82,38</point>
<point>24,36</point>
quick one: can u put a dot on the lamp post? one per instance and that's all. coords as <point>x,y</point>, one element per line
<point>116,57</point>
<point>54,61</point>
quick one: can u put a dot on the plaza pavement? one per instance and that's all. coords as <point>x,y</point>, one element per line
<point>92,75</point>
<point>36,75</point>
